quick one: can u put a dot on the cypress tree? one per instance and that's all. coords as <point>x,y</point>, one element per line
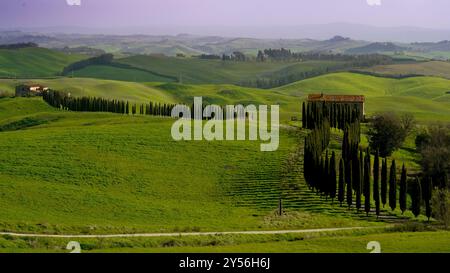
<point>326,176</point>
<point>393,186</point>
<point>367,184</point>
<point>426,195</point>
<point>349,185</point>
<point>416,197</point>
<point>357,182</point>
<point>376,181</point>
<point>384,186</point>
<point>321,175</point>
<point>304,116</point>
<point>341,191</point>
<point>361,172</point>
<point>333,176</point>
<point>402,197</point>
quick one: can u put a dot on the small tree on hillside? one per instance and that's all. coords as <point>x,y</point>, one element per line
<point>387,133</point>
<point>441,206</point>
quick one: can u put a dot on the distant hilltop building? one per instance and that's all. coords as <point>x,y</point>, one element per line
<point>349,99</point>
<point>30,90</point>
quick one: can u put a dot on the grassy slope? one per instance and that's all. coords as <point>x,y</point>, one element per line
<point>432,68</point>
<point>34,62</point>
<point>95,172</point>
<point>120,74</point>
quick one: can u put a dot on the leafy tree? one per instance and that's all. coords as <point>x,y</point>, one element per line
<point>441,206</point>
<point>435,152</point>
<point>393,186</point>
<point>387,133</point>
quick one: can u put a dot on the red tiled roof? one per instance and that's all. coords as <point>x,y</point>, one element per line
<point>336,98</point>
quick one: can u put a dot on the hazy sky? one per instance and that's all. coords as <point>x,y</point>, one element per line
<point>126,13</point>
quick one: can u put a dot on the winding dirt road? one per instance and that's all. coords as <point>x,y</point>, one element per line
<point>186,233</point>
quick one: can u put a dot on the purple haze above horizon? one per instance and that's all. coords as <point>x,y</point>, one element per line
<point>233,13</point>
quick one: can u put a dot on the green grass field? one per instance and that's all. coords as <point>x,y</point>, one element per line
<point>96,173</point>
<point>34,62</point>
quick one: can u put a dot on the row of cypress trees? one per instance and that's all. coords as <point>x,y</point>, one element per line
<point>355,178</point>
<point>92,104</point>
<point>338,115</point>
<point>358,179</point>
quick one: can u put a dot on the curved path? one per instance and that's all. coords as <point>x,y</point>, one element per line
<point>186,233</point>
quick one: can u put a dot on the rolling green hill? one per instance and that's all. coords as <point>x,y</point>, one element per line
<point>88,173</point>
<point>426,97</point>
<point>433,68</point>
<point>34,62</point>
<point>131,91</point>
<point>197,71</point>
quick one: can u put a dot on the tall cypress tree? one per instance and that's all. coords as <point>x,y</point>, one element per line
<point>402,197</point>
<point>376,181</point>
<point>367,183</point>
<point>426,195</point>
<point>326,177</point>
<point>341,190</point>
<point>304,116</point>
<point>357,182</point>
<point>333,176</point>
<point>384,185</point>
<point>416,197</point>
<point>361,172</point>
<point>393,186</point>
<point>349,184</point>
